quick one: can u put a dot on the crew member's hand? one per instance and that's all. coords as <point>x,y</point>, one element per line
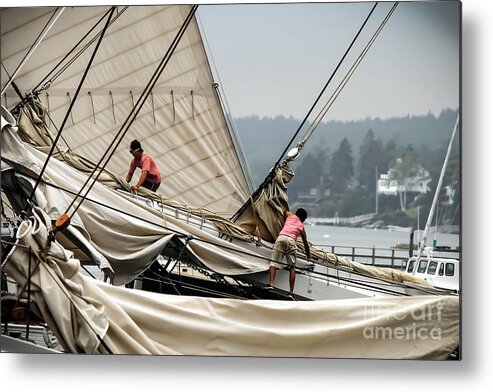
<point>134,187</point>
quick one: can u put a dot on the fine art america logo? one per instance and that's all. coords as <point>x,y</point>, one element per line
<point>395,322</point>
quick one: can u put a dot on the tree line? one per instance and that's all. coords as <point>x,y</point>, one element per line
<point>344,175</point>
<point>347,186</point>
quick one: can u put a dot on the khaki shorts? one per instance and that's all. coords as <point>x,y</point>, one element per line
<point>284,246</point>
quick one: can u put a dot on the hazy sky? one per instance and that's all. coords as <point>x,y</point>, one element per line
<point>274,59</point>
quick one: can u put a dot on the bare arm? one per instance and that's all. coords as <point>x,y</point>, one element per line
<point>142,178</point>
<point>305,243</point>
<point>130,173</point>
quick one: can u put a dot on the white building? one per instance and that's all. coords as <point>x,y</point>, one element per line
<point>417,184</point>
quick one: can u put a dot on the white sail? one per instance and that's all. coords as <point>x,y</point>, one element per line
<point>130,234</point>
<point>181,125</point>
<point>92,317</point>
<point>202,159</point>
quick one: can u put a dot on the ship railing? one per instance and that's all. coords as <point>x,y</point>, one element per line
<point>380,257</point>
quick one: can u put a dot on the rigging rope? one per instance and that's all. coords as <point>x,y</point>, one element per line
<point>345,80</point>
<point>271,174</point>
<point>71,105</point>
<point>326,84</point>
<point>133,113</point>
<point>56,14</point>
<point>191,286</point>
<point>47,113</point>
<point>14,85</point>
<point>186,235</point>
<point>44,82</point>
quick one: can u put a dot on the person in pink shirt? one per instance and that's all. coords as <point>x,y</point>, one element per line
<point>285,245</point>
<point>150,176</point>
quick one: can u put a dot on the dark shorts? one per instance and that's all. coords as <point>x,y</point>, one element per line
<point>151,186</point>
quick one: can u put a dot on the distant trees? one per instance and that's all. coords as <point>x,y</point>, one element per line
<point>264,138</point>
<point>354,201</point>
<point>340,161</point>
<point>308,173</point>
<point>372,161</point>
<point>341,167</point>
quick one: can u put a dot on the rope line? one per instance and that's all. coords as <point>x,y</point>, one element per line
<point>327,84</point>
<point>52,122</point>
<point>326,277</point>
<point>43,84</point>
<point>192,286</point>
<point>134,112</point>
<point>56,14</point>
<point>44,81</point>
<point>71,106</point>
<point>185,235</point>
<point>345,80</point>
<point>271,173</point>
<point>320,276</point>
<point>14,85</point>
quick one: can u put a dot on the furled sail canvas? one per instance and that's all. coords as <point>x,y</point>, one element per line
<point>136,237</point>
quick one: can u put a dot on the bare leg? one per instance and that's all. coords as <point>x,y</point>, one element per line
<point>272,272</point>
<point>292,277</point>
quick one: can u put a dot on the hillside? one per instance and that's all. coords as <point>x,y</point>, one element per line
<point>264,139</point>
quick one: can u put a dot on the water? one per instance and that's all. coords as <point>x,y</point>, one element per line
<point>326,236</point>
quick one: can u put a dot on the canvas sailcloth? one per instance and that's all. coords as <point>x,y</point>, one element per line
<point>127,235</point>
<point>84,313</point>
<point>181,125</point>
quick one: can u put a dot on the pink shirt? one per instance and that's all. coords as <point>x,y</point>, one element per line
<point>293,227</point>
<point>147,163</point>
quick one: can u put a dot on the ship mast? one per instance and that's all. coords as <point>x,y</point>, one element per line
<point>422,243</point>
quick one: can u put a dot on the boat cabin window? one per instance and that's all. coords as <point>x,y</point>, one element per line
<point>422,266</point>
<point>410,266</point>
<point>441,269</point>
<point>449,269</point>
<point>432,268</point>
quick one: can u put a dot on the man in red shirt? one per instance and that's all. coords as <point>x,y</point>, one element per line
<point>285,245</point>
<point>150,177</point>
